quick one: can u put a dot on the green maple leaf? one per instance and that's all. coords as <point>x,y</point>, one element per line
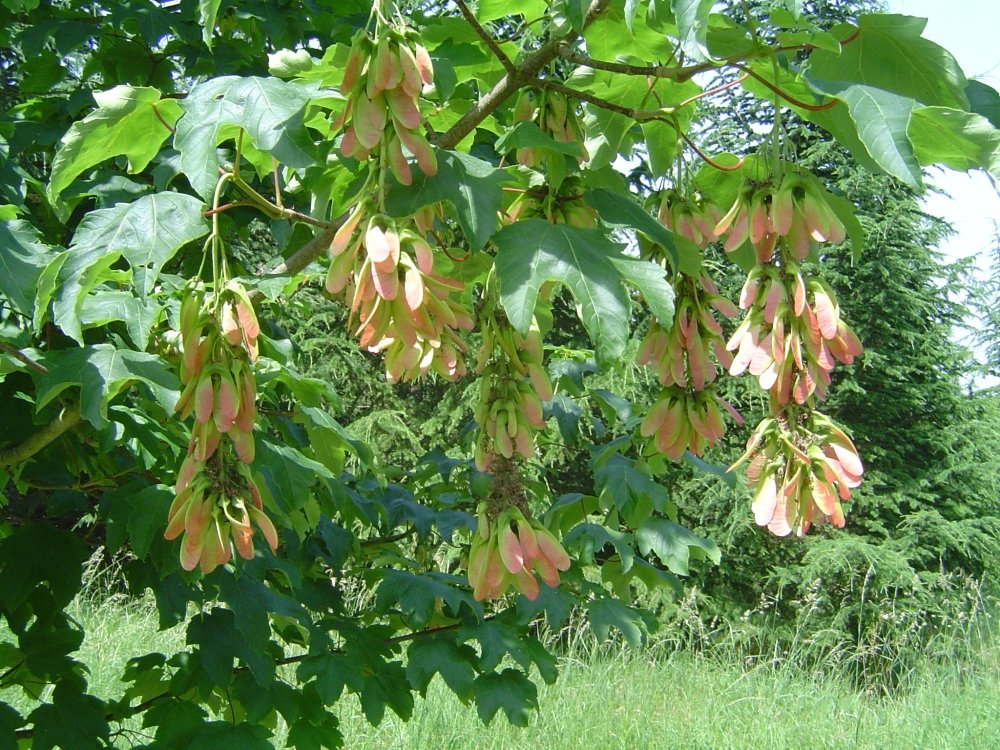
<point>417,595</point>
<point>385,686</point>
<point>24,569</point>
<point>889,53</point>
<point>692,26</point>
<point>674,544</point>
<point>608,613</point>
<point>333,672</point>
<point>307,735</point>
<point>268,109</point>
<point>139,315</point>
<point>510,691</point>
<point>221,643</point>
<point>441,654</point>
<point>960,140</point>
<point>622,212</point>
<point>591,538</point>
<point>531,252</point>
<point>102,372</point>
<point>634,493</point>
<point>23,259</point>
<point>470,184</point>
<point>10,721</point>
<point>498,639</point>
<point>207,12</point>
<point>147,232</point>
<point>221,735</point>
<point>129,121</point>
<point>72,719</point>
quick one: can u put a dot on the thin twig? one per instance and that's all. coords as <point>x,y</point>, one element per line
<point>277,184</point>
<point>711,92</point>
<point>22,357</point>
<point>12,670</point>
<point>784,94</point>
<point>487,39</point>
<point>683,73</point>
<point>672,72</point>
<point>68,417</point>
<point>705,157</point>
<point>271,209</point>
<point>511,82</point>
<point>309,251</point>
<point>583,96</point>
<point>387,539</point>
<point>226,206</point>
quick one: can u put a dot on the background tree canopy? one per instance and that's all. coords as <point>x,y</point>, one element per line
<point>377,342</point>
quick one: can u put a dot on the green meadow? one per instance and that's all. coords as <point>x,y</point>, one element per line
<point>660,698</point>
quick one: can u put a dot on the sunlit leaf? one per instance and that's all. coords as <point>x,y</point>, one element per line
<point>129,121</point>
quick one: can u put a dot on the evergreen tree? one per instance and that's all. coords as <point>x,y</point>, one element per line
<point>928,514</point>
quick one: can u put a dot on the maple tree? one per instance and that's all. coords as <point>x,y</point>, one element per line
<point>445,172</point>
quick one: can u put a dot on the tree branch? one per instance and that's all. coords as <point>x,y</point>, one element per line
<point>487,39</point>
<point>388,539</point>
<point>681,73</point>
<point>68,418</point>
<point>634,114</point>
<point>24,358</point>
<point>783,94</point>
<point>309,251</point>
<point>511,82</point>
<point>673,72</point>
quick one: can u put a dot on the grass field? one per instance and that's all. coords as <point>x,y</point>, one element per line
<point>644,701</point>
<point>691,703</point>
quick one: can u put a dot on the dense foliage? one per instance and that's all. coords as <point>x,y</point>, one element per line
<point>226,226</point>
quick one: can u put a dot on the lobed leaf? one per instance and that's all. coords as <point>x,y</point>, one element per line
<point>471,185</point>
<point>270,111</point>
<point>129,121</point>
<point>23,259</point>
<point>532,252</point>
<point>509,690</point>
<point>102,372</point>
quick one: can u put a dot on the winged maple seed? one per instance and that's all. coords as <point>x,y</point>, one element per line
<point>216,499</point>
<point>384,269</point>
<point>683,420</point>
<point>554,115</point>
<point>789,339</point>
<point>382,84</point>
<point>689,216</point>
<point>797,210</point>
<point>511,549</point>
<point>800,473</point>
<point>682,354</point>
<point>214,513</point>
<point>513,385</point>
<point>792,335</point>
<point>687,414</point>
<point>564,206</point>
